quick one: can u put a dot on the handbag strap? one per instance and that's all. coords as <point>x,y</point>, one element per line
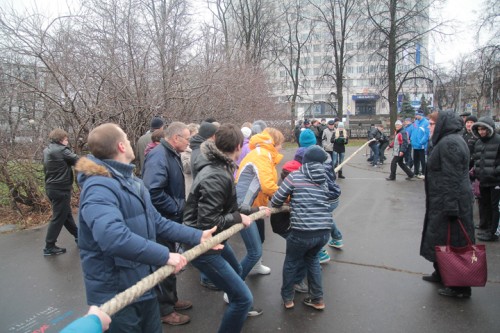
<point>469,242</point>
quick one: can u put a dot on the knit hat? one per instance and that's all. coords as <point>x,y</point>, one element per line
<point>419,114</point>
<point>307,122</point>
<point>314,154</point>
<point>307,138</point>
<point>207,130</point>
<point>299,154</point>
<point>247,132</point>
<point>331,122</point>
<point>156,123</point>
<point>340,125</point>
<point>398,122</point>
<point>258,126</point>
<point>471,118</point>
<point>408,119</point>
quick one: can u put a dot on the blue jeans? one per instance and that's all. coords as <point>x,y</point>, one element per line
<point>336,234</point>
<point>337,158</point>
<point>301,249</point>
<point>223,269</point>
<point>253,244</point>
<point>376,152</point>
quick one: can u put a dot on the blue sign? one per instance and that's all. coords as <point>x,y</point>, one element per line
<point>363,97</point>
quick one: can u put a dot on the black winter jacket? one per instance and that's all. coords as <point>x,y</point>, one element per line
<point>470,140</point>
<point>486,156</point>
<point>57,162</point>
<point>197,158</point>
<point>447,187</point>
<point>212,198</point>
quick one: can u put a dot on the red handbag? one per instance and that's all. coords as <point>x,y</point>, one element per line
<point>462,266</point>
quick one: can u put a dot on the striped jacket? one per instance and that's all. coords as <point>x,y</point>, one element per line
<point>310,198</point>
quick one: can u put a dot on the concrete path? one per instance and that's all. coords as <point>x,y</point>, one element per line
<point>373,285</point>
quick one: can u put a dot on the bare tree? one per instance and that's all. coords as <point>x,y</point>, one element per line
<point>295,33</point>
<point>340,18</point>
<point>399,29</point>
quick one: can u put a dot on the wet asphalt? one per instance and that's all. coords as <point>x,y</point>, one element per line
<point>374,284</point>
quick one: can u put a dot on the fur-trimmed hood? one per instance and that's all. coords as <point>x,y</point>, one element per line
<point>213,154</point>
<point>90,166</point>
<point>486,122</point>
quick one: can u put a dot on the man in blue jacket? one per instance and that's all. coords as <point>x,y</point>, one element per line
<point>118,230</point>
<point>419,138</point>
<point>164,178</point>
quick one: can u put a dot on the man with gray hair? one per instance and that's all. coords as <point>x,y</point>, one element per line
<point>164,178</point>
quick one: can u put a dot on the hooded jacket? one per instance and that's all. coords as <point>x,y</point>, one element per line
<point>400,143</point>
<point>57,162</point>
<point>310,198</point>
<point>486,156</point>
<point>118,229</point>
<point>163,176</point>
<point>195,143</point>
<point>257,178</point>
<point>447,187</point>
<point>212,198</point>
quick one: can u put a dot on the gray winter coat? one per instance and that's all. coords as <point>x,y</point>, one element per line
<point>447,187</point>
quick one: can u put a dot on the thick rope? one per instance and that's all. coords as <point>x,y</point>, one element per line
<point>131,294</point>
<point>352,155</point>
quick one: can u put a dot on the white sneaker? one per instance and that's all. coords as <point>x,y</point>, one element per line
<point>260,269</point>
<point>226,299</point>
<point>420,176</point>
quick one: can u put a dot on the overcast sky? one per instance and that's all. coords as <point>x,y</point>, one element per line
<point>461,12</point>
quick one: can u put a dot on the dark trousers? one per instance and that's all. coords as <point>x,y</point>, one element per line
<point>262,229</point>
<point>383,147</point>
<point>408,159</point>
<point>166,291</point>
<point>488,208</point>
<point>398,160</point>
<point>60,201</point>
<point>419,161</point>
<point>139,317</point>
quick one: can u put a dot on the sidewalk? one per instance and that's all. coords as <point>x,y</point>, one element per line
<point>373,285</point>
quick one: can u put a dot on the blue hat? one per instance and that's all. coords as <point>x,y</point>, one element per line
<point>299,154</point>
<point>307,138</point>
<point>419,114</point>
<point>314,154</point>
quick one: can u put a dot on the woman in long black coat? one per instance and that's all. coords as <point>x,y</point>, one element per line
<point>448,193</point>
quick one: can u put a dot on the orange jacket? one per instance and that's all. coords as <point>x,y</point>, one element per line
<point>261,161</point>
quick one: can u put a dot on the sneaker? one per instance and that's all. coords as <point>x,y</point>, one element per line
<point>254,312</point>
<point>301,288</point>
<point>374,166</point>
<point>52,251</point>
<point>226,299</point>
<point>288,304</point>
<point>175,319</point>
<point>209,285</point>
<point>318,304</point>
<point>260,269</point>
<point>390,179</point>
<point>338,244</point>
<point>324,257</point>
<point>420,176</point>
<point>410,178</point>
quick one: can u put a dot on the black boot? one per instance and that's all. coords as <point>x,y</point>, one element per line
<point>341,176</point>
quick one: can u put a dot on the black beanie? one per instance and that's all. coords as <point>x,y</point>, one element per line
<point>156,123</point>
<point>207,130</point>
<point>314,154</point>
<point>471,118</point>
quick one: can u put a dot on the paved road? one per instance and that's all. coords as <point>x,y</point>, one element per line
<point>373,285</point>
